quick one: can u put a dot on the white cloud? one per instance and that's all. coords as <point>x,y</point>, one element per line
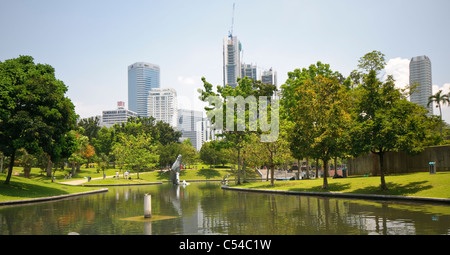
<point>445,108</point>
<point>193,80</point>
<point>399,69</point>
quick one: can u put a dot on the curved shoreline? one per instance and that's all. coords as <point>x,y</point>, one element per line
<point>345,195</point>
<point>52,198</point>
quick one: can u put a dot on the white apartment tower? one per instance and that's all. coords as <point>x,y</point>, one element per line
<point>162,105</point>
<point>231,60</point>
<point>420,75</point>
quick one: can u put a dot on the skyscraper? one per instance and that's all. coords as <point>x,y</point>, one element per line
<point>420,75</point>
<point>142,77</point>
<point>231,60</point>
<point>163,106</point>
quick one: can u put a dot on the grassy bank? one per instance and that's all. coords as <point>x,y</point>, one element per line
<point>39,185</point>
<point>21,188</point>
<point>413,185</point>
<point>201,173</point>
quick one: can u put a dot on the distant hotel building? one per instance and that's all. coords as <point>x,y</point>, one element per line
<point>249,70</point>
<point>162,105</point>
<point>231,60</point>
<point>142,77</point>
<point>111,117</point>
<point>420,73</point>
<point>269,77</point>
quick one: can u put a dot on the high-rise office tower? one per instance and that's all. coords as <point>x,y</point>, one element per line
<point>163,106</point>
<point>142,77</point>
<point>420,75</point>
<point>231,60</point>
<point>249,70</point>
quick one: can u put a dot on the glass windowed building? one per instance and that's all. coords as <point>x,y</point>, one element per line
<point>420,75</point>
<point>163,105</point>
<point>142,77</point>
<point>231,60</point>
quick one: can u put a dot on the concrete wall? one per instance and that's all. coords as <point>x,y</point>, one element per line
<point>400,162</point>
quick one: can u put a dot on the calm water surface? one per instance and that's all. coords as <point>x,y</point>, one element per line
<point>204,208</point>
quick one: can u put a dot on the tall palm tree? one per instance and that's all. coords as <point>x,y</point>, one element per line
<point>439,99</point>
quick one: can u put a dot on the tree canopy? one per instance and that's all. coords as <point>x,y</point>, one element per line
<point>34,112</point>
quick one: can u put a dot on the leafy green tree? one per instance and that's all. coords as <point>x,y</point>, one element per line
<point>384,120</point>
<point>34,113</point>
<point>212,153</point>
<point>90,127</point>
<point>136,152</point>
<point>321,118</point>
<point>237,136</point>
<point>104,142</point>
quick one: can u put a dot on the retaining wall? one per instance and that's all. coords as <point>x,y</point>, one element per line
<point>400,162</point>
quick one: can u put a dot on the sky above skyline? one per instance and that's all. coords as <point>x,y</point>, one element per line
<point>91,43</point>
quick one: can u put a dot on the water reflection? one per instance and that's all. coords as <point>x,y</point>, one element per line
<point>204,208</point>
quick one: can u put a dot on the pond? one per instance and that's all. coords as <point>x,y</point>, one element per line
<point>204,208</point>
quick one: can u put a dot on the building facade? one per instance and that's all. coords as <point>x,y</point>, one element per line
<point>120,115</point>
<point>142,77</point>
<point>231,60</point>
<point>420,80</point>
<point>269,77</point>
<point>249,70</point>
<point>162,105</point>
<point>187,120</point>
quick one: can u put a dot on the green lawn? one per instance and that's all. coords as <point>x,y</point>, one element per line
<point>201,173</point>
<point>414,184</point>
<point>21,188</point>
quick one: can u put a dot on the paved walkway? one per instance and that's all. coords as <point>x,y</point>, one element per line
<point>81,181</point>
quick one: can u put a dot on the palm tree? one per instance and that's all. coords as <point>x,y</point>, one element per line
<point>439,99</point>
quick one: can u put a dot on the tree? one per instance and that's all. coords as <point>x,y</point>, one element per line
<point>321,118</point>
<point>238,134</point>
<point>212,153</point>
<point>34,113</point>
<point>91,127</point>
<point>384,120</point>
<point>136,152</point>
<point>315,105</point>
<point>439,99</point>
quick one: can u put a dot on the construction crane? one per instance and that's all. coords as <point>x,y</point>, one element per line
<point>230,33</point>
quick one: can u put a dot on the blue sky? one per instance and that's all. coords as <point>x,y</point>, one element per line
<point>91,43</point>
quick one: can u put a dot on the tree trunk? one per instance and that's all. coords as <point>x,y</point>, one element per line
<point>335,166</point>
<point>325,174</point>
<point>10,168</point>
<point>272,169</point>
<point>317,168</point>
<point>49,166</point>
<point>307,168</point>
<point>239,167</point>
<point>383,182</point>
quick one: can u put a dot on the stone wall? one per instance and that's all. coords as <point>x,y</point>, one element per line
<point>400,162</point>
